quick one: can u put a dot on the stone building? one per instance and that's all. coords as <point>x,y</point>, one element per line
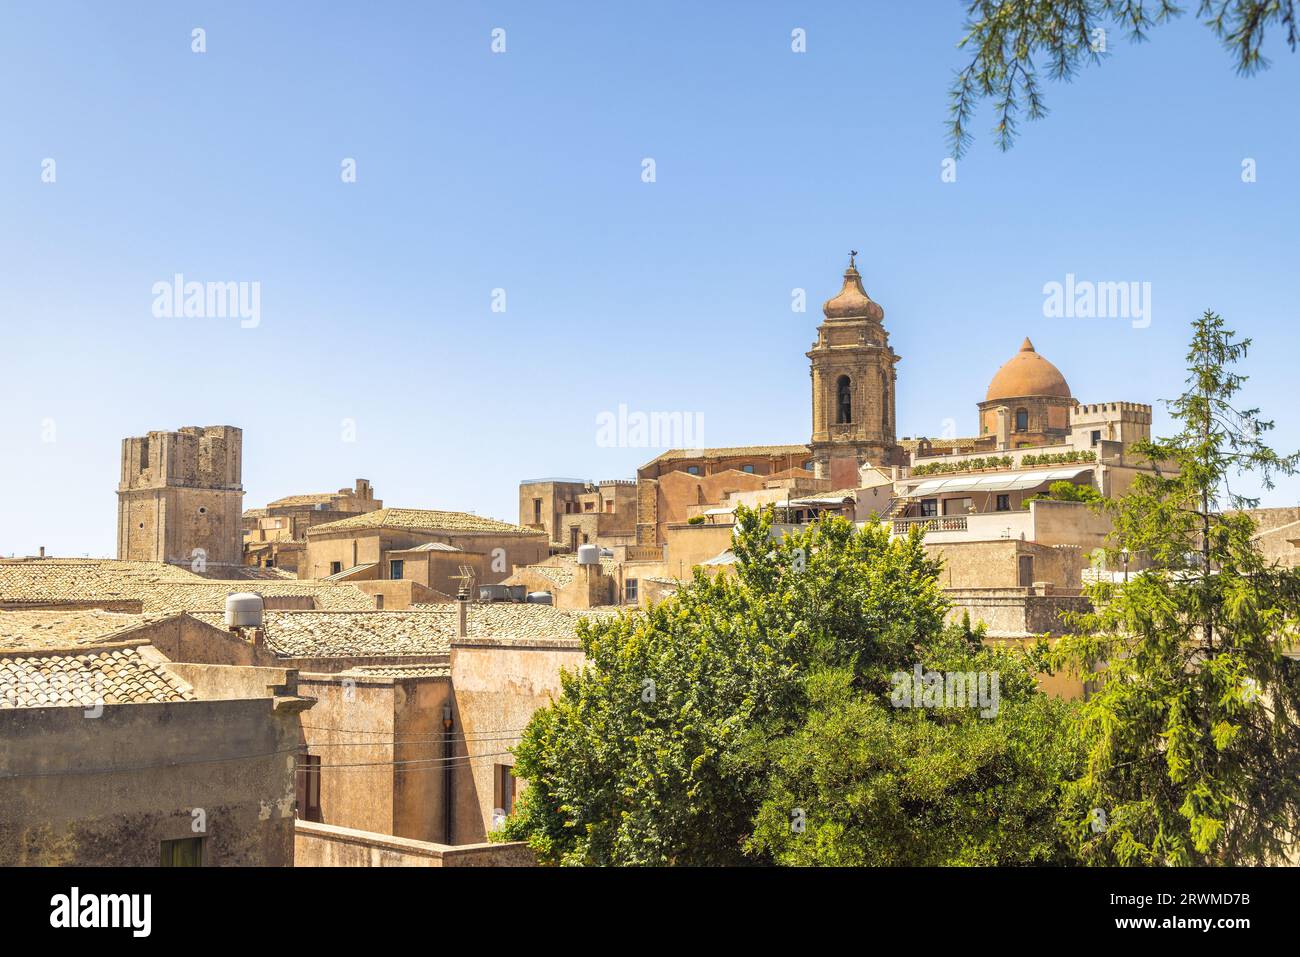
<point>573,512</point>
<point>379,544</point>
<point>112,754</point>
<point>276,536</point>
<point>180,498</point>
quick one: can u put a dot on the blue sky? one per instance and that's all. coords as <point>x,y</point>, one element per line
<point>522,171</point>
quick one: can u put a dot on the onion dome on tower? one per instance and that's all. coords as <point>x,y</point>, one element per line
<point>852,301</point>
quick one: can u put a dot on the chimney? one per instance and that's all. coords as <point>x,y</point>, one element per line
<point>42,553</point>
<point>462,613</point>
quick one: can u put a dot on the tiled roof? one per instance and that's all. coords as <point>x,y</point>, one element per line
<point>726,453</point>
<point>43,630</point>
<point>911,445</point>
<point>361,634</point>
<point>159,587</point>
<point>321,498</point>
<point>84,679</point>
<point>401,671</point>
<point>423,519</point>
<point>560,570</point>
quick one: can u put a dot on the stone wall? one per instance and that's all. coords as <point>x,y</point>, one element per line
<point>225,764</point>
<point>322,845</point>
<point>498,684</point>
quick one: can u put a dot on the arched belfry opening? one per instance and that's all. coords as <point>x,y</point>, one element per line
<point>843,400</point>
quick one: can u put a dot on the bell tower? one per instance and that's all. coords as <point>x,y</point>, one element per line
<point>852,386</point>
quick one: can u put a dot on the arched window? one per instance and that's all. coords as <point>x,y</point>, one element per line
<point>843,401</point>
<point>1022,420</point>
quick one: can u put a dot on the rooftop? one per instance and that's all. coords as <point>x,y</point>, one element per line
<point>420,630</point>
<point>421,519</point>
<point>43,630</point>
<point>159,587</point>
<point>731,452</point>
<point>85,679</point>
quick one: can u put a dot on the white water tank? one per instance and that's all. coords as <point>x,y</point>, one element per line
<point>244,610</point>
<point>540,598</point>
<point>588,554</point>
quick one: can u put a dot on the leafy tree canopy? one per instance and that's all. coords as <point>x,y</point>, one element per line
<point>1193,737</point>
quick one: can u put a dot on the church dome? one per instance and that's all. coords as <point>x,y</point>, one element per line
<point>852,302</point>
<point>1027,374</point>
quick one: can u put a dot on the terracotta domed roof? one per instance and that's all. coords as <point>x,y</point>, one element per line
<point>852,302</point>
<point>1025,374</point>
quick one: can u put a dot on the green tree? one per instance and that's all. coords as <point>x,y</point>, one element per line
<point>652,753</point>
<point>1008,39</point>
<point>681,729</point>
<point>1068,492</point>
<point>1194,747</point>
<point>863,783</point>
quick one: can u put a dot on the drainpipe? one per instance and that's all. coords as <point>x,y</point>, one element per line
<point>447,725</point>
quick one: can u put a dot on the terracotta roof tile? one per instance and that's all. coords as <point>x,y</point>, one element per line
<point>422,519</point>
<point>85,679</point>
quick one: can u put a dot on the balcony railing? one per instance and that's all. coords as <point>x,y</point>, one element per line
<point>930,523</point>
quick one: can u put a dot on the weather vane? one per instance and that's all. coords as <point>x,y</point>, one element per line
<point>852,255</point>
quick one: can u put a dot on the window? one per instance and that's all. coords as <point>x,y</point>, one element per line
<point>693,470</point>
<point>504,788</point>
<point>379,603</point>
<point>183,852</point>
<point>843,400</point>
<point>808,466</point>
<point>1096,436</point>
<point>1022,420</point>
<point>336,567</point>
<point>747,468</point>
<point>584,538</point>
<point>395,568</point>
<point>929,507</point>
<point>588,506</point>
<point>609,506</point>
<point>309,788</point>
<point>568,508</point>
<point>1004,503</point>
<point>630,590</point>
<point>537,511</point>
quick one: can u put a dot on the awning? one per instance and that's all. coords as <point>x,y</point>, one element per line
<point>1001,482</point>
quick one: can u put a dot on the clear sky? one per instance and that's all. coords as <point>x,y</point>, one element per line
<point>522,171</point>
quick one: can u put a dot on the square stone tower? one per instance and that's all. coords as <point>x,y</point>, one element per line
<point>180,498</point>
<point>852,367</point>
